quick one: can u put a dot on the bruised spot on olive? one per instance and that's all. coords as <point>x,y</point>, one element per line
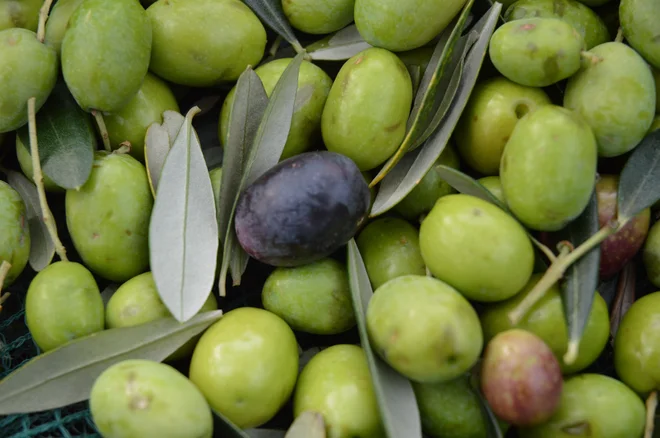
<point>477,212</point>
<point>527,26</point>
<point>583,429</point>
<point>393,128</point>
<point>359,60</point>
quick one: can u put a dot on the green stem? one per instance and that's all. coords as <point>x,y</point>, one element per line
<point>102,129</point>
<point>43,17</point>
<point>544,249</point>
<point>275,46</point>
<point>557,269</point>
<point>590,58</point>
<point>619,35</point>
<point>38,178</point>
<point>651,406</point>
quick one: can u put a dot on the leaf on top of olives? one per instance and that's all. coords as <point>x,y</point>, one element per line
<point>467,185</point>
<point>65,375</point>
<point>307,425</point>
<point>411,169</point>
<point>42,249</point>
<point>270,11</point>
<point>67,140</point>
<point>157,144</point>
<point>226,429</point>
<point>394,393</point>
<point>183,232</point>
<point>581,280</point>
<point>251,151</point>
<point>108,292</point>
<point>441,65</point>
<point>639,185</point>
<point>339,46</point>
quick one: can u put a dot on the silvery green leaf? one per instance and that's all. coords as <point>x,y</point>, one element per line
<point>307,425</point>
<point>339,46</point>
<point>157,144</point>
<point>430,92</point>
<point>248,107</point>
<point>262,154</point>
<point>108,292</point>
<point>639,185</point>
<point>394,393</point>
<point>270,11</point>
<point>183,232</point>
<point>42,248</point>
<point>65,375</point>
<point>413,167</point>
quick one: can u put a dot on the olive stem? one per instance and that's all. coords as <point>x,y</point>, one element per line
<point>544,249</point>
<point>275,46</point>
<point>651,406</point>
<point>619,35</point>
<point>556,270</point>
<point>38,177</point>
<point>590,58</point>
<point>43,17</point>
<point>98,116</point>
<point>124,148</point>
<point>4,270</point>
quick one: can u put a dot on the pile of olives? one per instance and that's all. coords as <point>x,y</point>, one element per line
<point>567,91</point>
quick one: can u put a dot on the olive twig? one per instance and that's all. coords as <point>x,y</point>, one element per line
<point>4,270</point>
<point>124,148</point>
<point>275,46</point>
<point>98,116</point>
<point>619,35</point>
<point>557,269</point>
<point>590,58</point>
<point>651,406</point>
<point>544,249</point>
<point>43,17</point>
<point>38,178</point>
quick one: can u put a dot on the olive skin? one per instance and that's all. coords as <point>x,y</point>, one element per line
<point>302,210</point>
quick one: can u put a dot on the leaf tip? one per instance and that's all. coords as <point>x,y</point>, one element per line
<point>572,351</point>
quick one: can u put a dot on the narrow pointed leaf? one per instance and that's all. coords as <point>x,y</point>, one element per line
<point>65,375</point>
<point>423,106</point>
<point>157,144</point>
<point>263,153</point>
<point>639,185</point>
<point>226,429</point>
<point>66,139</point>
<point>581,278</point>
<point>396,399</point>
<point>183,232</point>
<point>467,185</point>
<point>340,46</point>
<point>108,292</point>
<point>42,249</point>
<point>270,11</point>
<point>307,425</point>
<point>250,102</point>
<point>410,171</point>
<point>493,429</point>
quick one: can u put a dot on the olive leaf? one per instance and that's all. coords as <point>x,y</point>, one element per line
<point>183,231</point>
<point>270,11</point>
<point>340,46</point>
<point>624,298</point>
<point>42,249</point>
<point>157,144</point>
<point>394,393</point>
<point>66,374</point>
<point>416,164</point>
<point>67,140</point>
<point>639,185</point>
<point>248,107</point>
<point>265,433</point>
<point>260,155</point>
<point>581,280</point>
<point>108,292</point>
<point>466,184</point>
<point>424,104</point>
<point>307,425</point>
<point>493,429</point>
<point>226,429</point>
